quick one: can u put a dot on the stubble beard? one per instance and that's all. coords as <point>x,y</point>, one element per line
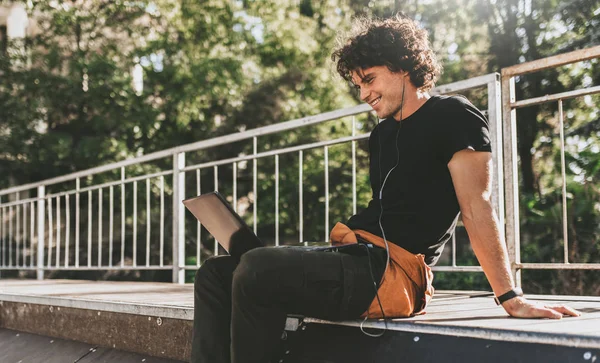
<point>394,112</point>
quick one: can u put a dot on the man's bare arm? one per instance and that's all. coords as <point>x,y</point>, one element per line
<point>471,173</point>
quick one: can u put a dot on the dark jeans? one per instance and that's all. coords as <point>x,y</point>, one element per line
<point>240,309</point>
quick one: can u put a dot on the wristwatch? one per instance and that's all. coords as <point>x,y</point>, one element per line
<point>509,295</point>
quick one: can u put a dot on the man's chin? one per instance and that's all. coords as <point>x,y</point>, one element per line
<point>382,115</point>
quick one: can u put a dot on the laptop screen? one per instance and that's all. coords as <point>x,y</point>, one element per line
<point>215,214</point>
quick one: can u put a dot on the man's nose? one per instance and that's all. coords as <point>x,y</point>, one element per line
<point>364,93</point>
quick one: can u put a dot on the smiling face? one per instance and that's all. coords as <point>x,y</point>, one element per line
<point>382,89</point>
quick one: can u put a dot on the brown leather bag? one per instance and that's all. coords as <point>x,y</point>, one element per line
<point>406,287</point>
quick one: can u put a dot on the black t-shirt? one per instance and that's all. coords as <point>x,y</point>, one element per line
<point>420,209</point>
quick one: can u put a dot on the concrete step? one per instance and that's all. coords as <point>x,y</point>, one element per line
<point>160,337</point>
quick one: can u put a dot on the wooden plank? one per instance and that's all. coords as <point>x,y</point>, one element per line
<point>567,325</point>
<point>477,310</point>
<point>590,326</point>
<point>463,314</point>
<point>483,302</point>
<point>498,319</point>
<point>435,311</point>
<point>564,298</point>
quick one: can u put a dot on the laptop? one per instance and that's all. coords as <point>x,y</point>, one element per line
<point>229,229</point>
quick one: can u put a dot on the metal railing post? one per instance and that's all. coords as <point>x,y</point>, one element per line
<point>1,238</point>
<point>511,176</point>
<point>178,218</point>
<point>41,193</point>
<point>495,119</point>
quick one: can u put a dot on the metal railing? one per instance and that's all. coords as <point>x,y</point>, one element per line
<point>511,173</point>
<point>36,226</point>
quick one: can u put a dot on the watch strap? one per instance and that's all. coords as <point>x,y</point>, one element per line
<point>508,295</point>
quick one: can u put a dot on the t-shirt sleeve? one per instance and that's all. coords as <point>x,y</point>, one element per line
<point>463,127</point>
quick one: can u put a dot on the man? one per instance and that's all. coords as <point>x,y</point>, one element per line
<point>430,158</point>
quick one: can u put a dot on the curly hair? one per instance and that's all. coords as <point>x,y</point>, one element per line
<point>398,43</point>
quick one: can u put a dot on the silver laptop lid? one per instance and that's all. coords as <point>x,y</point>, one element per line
<point>217,216</point>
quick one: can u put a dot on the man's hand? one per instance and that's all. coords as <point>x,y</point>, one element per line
<point>519,307</point>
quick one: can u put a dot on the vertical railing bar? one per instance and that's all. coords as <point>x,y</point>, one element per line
<point>454,248</point>
<point>2,251</point>
<point>162,220</point>
<point>148,221</point>
<point>178,218</point>
<point>134,257</point>
<point>50,232</point>
<point>57,231</point>
<point>326,159</point>
<point>2,239</point>
<point>5,240</point>
<point>122,216</point>
<point>20,235</point>
<point>24,236</point>
<point>100,227</point>
<point>41,229</point>
<point>277,200</point>
<point>563,173</point>
<point>6,217</point>
<point>511,176</point>
<point>235,187</point>
<point>31,232</point>
<point>216,177</point>
<point>10,236</point>
<point>17,227</point>
<point>111,211</point>
<point>216,185</point>
<point>67,229</point>
<point>198,225</point>
<point>300,197</point>
<point>255,182</point>
<point>4,236</point>
<point>89,230</point>
<point>77,222</point>
<point>495,122</point>
<point>353,166</point>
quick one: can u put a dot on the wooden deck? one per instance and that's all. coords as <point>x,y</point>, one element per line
<point>456,313</point>
<point>155,319</point>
